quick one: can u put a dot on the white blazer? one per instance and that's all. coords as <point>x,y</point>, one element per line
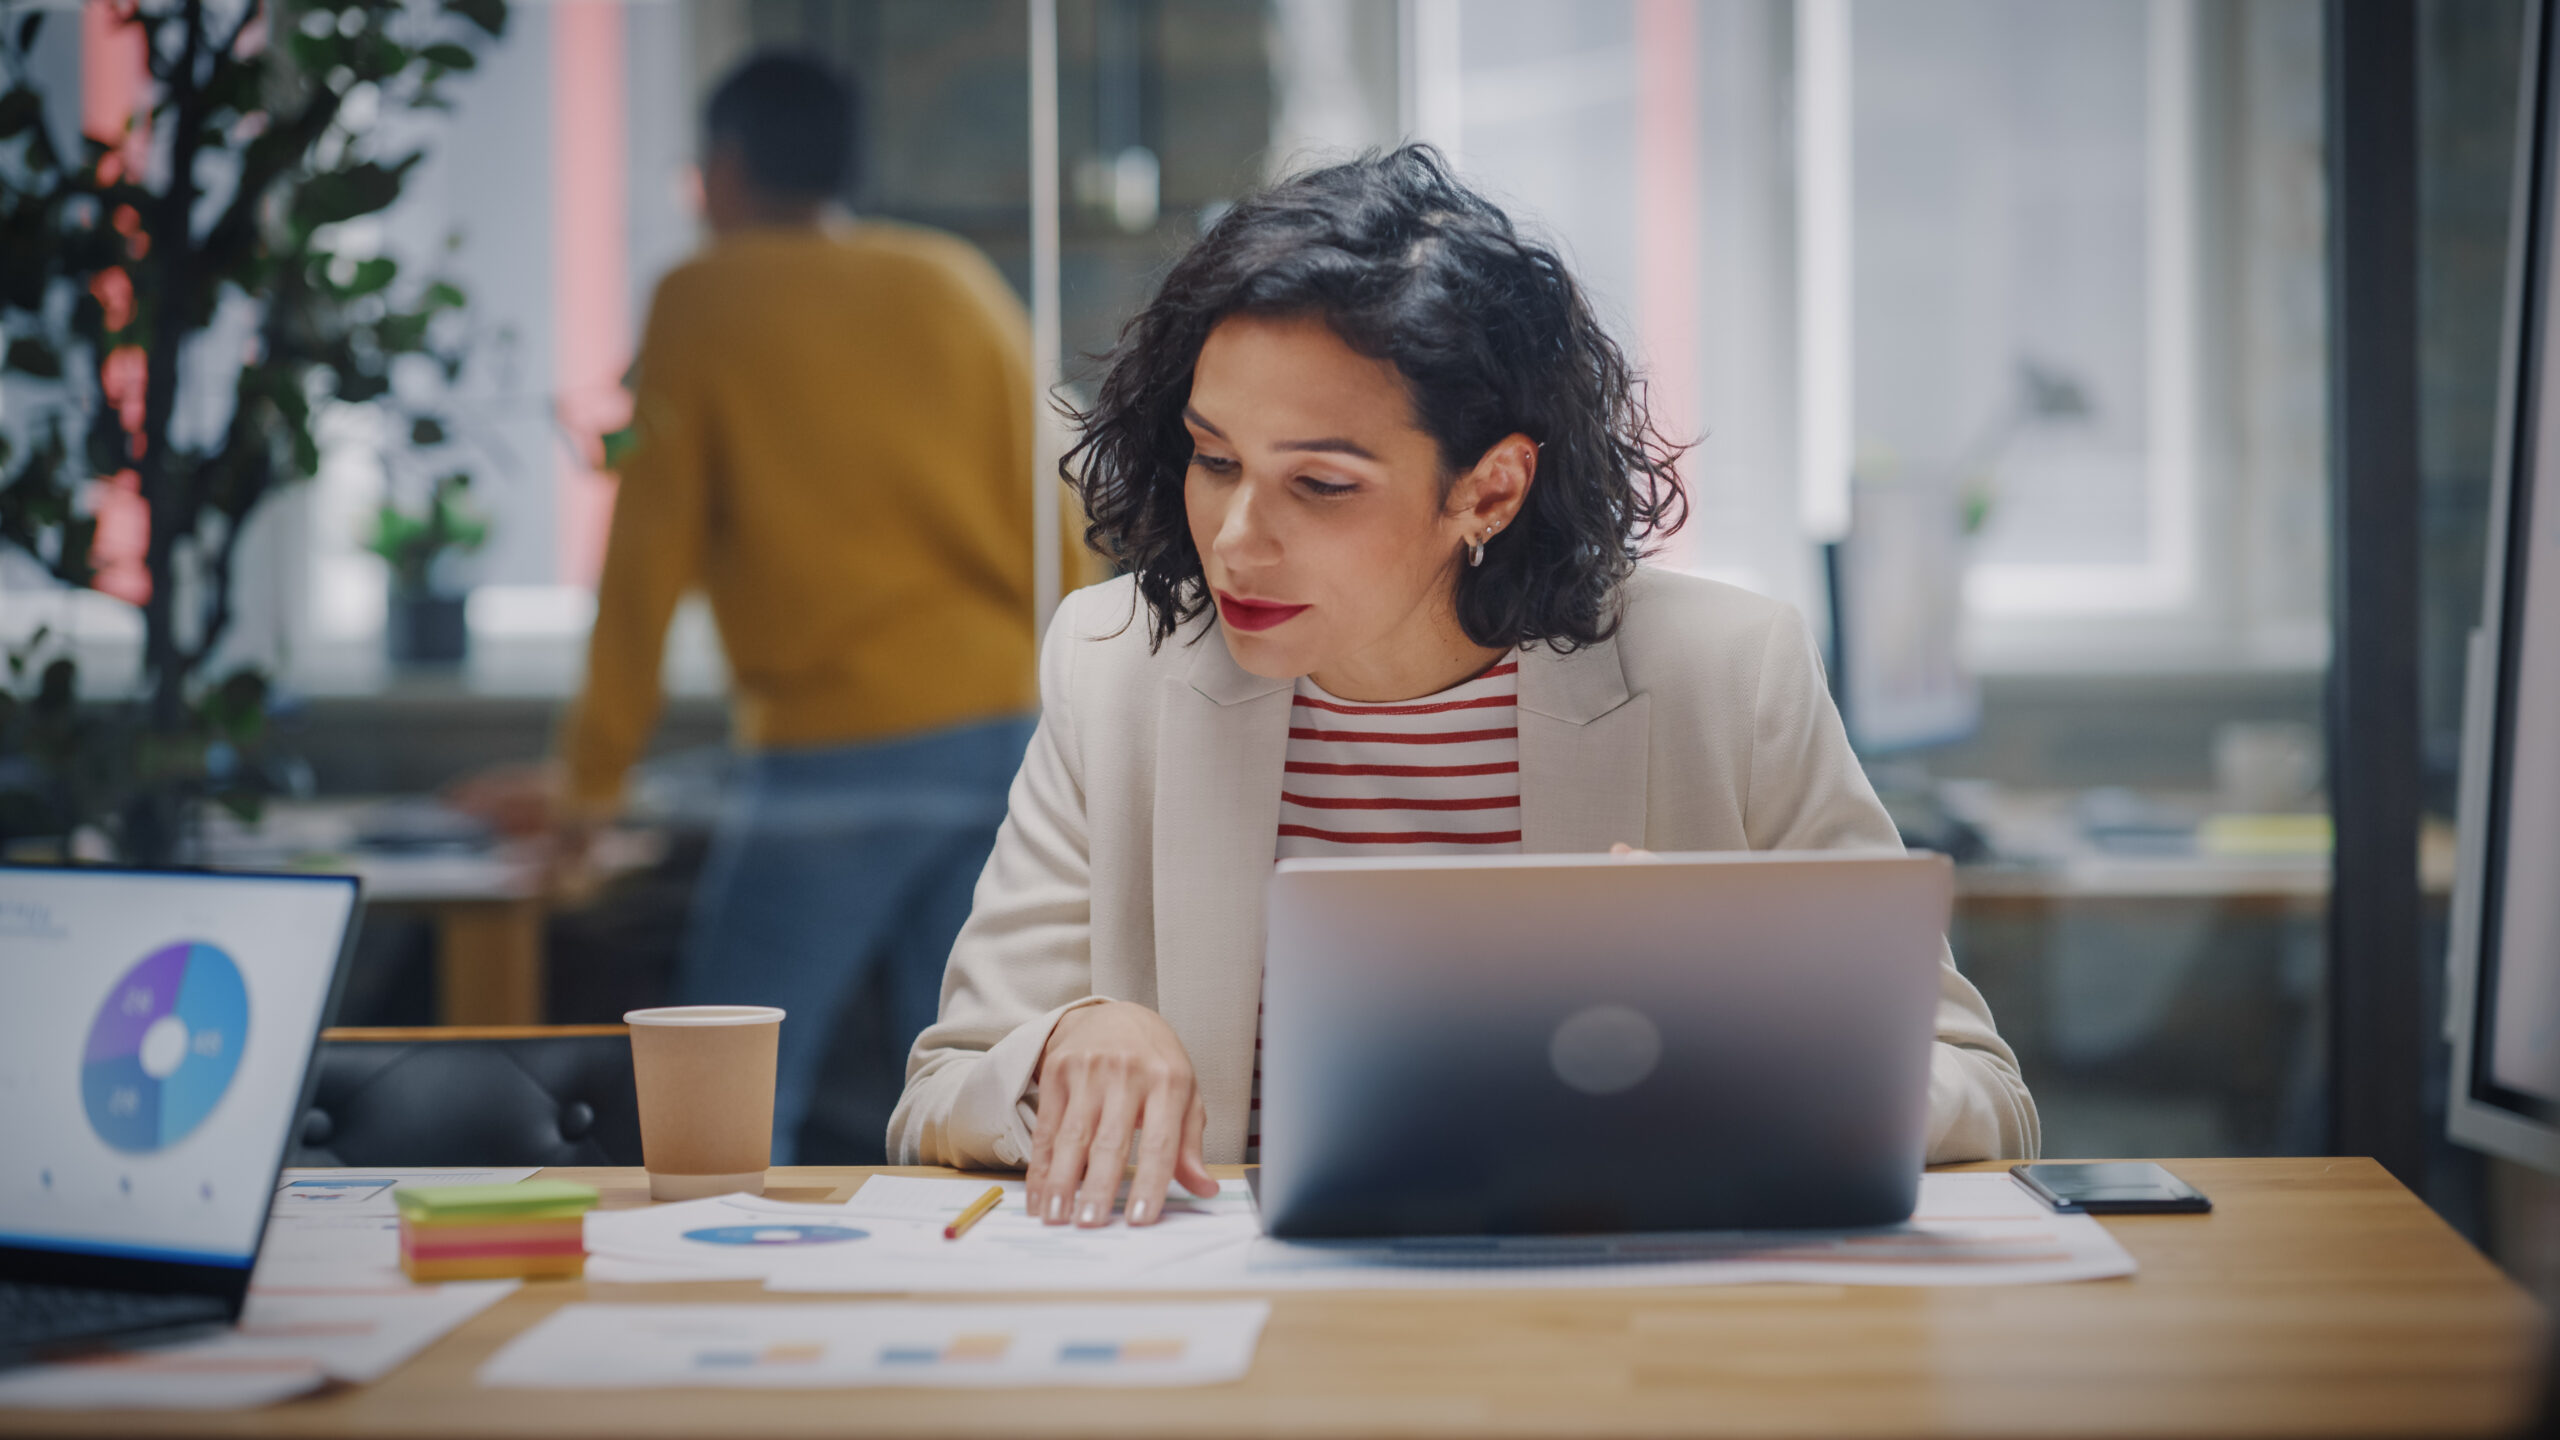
<point>1142,828</point>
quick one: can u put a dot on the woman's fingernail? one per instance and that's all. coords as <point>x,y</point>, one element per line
<point>1139,1213</point>
<point>1057,1208</point>
<point>1089,1214</point>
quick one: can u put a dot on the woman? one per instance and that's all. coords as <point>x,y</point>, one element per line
<point>1381,484</point>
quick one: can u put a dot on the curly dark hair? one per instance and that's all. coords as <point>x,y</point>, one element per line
<point>1492,337</point>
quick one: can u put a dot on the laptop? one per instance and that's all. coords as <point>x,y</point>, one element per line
<point>1567,1044</point>
<point>157,1030</point>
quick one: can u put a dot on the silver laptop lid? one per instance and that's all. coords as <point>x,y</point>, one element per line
<point>1554,1043</point>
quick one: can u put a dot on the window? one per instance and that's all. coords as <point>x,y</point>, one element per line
<point>2061,263</point>
<point>1650,139</point>
<point>2025,288</point>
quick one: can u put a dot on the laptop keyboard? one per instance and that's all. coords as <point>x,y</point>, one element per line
<point>37,1315</point>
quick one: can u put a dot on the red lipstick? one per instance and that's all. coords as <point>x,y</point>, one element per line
<point>1255,614</point>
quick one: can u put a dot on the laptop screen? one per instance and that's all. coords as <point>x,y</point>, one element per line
<point>154,1032</point>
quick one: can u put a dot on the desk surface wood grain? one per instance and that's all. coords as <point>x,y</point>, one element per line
<point>2320,1298</point>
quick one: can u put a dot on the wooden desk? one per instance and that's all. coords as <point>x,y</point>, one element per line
<point>2319,1299</point>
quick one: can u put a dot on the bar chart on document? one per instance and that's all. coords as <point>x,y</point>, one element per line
<point>788,1346</point>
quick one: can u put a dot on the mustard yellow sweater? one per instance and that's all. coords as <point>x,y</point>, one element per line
<point>834,441</point>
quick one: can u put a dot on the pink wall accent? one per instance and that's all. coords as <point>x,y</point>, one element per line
<point>590,268</point>
<point>113,76</point>
<point>1668,236</point>
<point>115,81</point>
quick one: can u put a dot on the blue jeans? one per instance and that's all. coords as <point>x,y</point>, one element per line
<point>826,863</point>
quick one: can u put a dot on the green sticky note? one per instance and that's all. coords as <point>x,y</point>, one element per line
<point>530,1200</point>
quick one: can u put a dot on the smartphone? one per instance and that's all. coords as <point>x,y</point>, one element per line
<point>2115,1187</point>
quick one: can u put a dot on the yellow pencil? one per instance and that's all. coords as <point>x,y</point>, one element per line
<point>977,1211</point>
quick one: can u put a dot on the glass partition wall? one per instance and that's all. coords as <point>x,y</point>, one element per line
<point>1999,327</point>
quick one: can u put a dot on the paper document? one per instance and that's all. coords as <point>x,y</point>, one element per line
<point>287,1344</point>
<point>157,1381</point>
<point>1969,1230</point>
<point>368,1192</point>
<point>888,1238</point>
<point>816,1346</point>
<point>725,1237</point>
<point>340,1229</point>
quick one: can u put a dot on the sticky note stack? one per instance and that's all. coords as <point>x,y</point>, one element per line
<point>494,1232</point>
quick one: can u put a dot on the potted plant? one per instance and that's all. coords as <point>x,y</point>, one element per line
<point>424,623</point>
<point>222,209</point>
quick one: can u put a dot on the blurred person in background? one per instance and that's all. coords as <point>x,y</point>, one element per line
<point>833,439</point>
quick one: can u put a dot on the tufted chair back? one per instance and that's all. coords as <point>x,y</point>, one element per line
<point>513,1095</point>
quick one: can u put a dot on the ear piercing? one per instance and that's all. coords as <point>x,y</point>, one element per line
<point>1475,547</point>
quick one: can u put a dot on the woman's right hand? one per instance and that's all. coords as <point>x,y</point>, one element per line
<point>1111,1075</point>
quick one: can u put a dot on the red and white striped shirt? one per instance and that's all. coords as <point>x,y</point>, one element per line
<point>1435,776</point>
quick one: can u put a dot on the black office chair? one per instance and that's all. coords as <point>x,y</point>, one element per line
<point>530,1095</point>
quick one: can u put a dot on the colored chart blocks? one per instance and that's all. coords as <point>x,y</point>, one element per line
<point>535,1230</point>
<point>164,1046</point>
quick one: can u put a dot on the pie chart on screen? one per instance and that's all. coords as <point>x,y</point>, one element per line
<point>164,1047</point>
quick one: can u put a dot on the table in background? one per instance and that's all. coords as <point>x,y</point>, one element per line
<point>487,904</point>
<point>2042,855</point>
<point>2320,1298</point>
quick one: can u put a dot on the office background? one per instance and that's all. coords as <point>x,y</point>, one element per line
<point>2005,327</point>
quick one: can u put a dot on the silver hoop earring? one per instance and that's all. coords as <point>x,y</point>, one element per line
<point>1475,553</point>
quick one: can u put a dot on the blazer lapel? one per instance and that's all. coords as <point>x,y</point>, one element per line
<point>1223,739</point>
<point>1584,743</point>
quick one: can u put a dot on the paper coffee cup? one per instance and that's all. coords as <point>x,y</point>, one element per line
<point>705,1076</point>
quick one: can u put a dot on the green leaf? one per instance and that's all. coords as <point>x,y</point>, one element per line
<point>371,276</point>
<point>451,57</point>
<point>105,446</point>
<point>238,706</point>
<point>336,195</point>
<point>26,266</point>
<point>20,110</point>
<point>426,430</point>
<point>489,15</point>
<point>312,54</point>
<point>400,334</point>
<point>27,29</point>
<point>71,564</point>
<point>237,83</point>
<point>40,156</point>
<point>58,689</point>
<point>306,449</point>
<point>29,355</point>
<point>444,295</point>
